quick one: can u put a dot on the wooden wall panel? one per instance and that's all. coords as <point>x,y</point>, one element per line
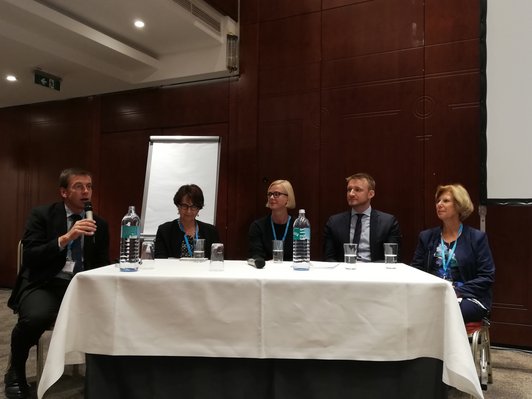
<point>62,128</point>
<point>249,14</point>
<point>226,7</point>
<point>372,84</point>
<point>242,148</point>
<point>372,27</point>
<point>289,143</point>
<point>373,68</point>
<point>13,164</point>
<point>451,20</point>
<point>289,108</point>
<point>453,125</point>
<point>121,184</point>
<point>326,4</point>
<point>374,129</point>
<point>277,9</point>
<point>454,56</point>
<point>202,103</point>
<point>290,41</point>
<point>509,235</point>
<point>289,80</point>
<point>133,110</point>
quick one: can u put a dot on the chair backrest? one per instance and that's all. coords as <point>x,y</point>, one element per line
<point>19,256</point>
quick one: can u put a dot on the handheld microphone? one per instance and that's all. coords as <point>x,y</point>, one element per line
<point>256,263</point>
<point>88,210</point>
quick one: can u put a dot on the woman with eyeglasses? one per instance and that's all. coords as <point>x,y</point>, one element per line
<point>176,239</point>
<point>276,226</point>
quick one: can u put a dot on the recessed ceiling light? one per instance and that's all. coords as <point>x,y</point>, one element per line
<point>11,78</point>
<point>139,23</point>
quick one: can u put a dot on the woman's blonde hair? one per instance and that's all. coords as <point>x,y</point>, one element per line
<point>462,200</point>
<point>291,204</point>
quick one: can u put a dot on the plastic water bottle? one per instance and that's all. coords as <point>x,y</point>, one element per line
<point>301,242</point>
<point>130,241</point>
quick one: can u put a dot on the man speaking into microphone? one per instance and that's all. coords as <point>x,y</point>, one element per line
<point>60,240</point>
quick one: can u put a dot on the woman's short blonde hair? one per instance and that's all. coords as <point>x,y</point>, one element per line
<point>462,200</point>
<point>291,204</point>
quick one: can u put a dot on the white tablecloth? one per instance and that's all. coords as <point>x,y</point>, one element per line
<point>180,308</point>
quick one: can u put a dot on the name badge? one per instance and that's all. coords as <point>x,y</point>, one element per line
<point>69,266</point>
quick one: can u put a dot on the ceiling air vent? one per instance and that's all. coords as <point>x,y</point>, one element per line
<point>200,14</point>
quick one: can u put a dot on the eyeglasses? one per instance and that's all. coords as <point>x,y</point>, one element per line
<point>275,194</point>
<point>186,207</point>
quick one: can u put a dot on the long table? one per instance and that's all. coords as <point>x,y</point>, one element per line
<point>180,308</point>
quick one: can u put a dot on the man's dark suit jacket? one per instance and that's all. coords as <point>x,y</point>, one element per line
<point>383,228</point>
<point>473,256</point>
<point>169,238</point>
<point>42,257</point>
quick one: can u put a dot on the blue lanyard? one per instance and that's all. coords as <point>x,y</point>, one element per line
<point>285,229</point>
<point>189,249</point>
<point>445,263</point>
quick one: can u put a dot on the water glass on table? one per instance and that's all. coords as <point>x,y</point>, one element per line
<point>147,254</point>
<point>199,249</point>
<point>391,250</point>
<point>278,251</point>
<point>147,250</point>
<point>217,257</point>
<point>350,255</point>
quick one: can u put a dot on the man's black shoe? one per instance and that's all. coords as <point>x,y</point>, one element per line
<point>16,386</point>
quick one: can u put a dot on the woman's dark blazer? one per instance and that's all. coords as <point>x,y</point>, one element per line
<point>169,238</point>
<point>260,239</point>
<point>474,259</point>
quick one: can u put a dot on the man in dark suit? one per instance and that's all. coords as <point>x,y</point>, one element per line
<point>361,225</point>
<point>57,243</point>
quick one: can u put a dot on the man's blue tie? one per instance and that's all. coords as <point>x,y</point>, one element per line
<point>75,247</point>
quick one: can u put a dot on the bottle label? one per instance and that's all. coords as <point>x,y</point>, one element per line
<point>301,233</point>
<point>130,231</point>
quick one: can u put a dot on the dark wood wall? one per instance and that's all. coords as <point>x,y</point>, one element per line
<point>327,88</point>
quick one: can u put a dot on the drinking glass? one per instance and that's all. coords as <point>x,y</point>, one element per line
<point>199,249</point>
<point>147,254</point>
<point>278,251</point>
<point>350,255</point>
<point>217,257</point>
<point>390,254</point>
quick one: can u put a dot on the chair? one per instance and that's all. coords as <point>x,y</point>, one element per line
<point>40,344</point>
<point>479,335</point>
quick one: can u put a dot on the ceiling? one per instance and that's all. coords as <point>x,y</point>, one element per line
<point>94,48</point>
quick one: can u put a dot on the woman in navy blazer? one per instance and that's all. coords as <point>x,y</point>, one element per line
<point>458,253</point>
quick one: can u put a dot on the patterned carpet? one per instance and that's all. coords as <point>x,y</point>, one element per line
<point>70,386</point>
<point>512,369</point>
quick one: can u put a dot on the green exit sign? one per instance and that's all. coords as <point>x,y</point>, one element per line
<point>45,80</point>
